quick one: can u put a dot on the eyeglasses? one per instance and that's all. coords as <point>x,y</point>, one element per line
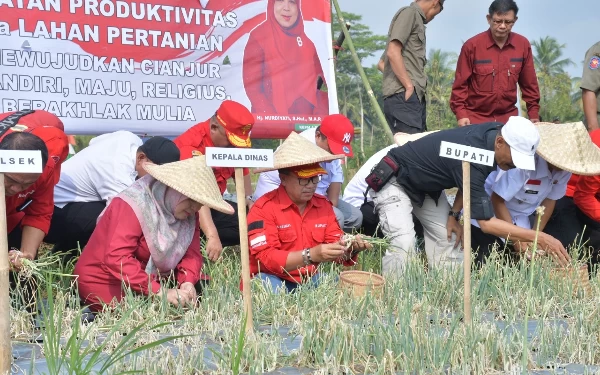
<point>305,181</point>
<point>500,22</point>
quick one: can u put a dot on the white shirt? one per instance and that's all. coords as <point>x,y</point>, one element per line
<point>100,171</point>
<point>355,190</point>
<point>269,181</point>
<point>524,191</point>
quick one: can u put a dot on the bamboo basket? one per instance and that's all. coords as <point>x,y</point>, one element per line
<point>359,283</point>
<point>576,276</point>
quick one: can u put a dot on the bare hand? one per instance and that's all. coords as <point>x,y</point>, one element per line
<point>249,203</point>
<point>464,122</point>
<point>214,248</point>
<point>555,249</point>
<point>534,120</point>
<point>327,252</point>
<point>189,288</point>
<point>453,226</point>
<point>408,93</point>
<point>14,259</point>
<point>177,297</point>
<point>358,244</point>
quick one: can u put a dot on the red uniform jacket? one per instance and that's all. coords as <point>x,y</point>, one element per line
<point>197,138</point>
<point>485,84</point>
<point>276,228</point>
<point>117,252</point>
<point>587,192</point>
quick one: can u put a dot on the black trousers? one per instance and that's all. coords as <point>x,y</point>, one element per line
<point>73,225</point>
<point>228,226</point>
<point>371,221</point>
<point>483,244</point>
<point>406,116</point>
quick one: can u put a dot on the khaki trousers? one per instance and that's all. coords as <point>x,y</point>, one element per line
<point>395,211</point>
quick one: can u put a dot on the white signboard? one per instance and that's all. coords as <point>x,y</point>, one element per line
<point>466,153</point>
<point>158,67</point>
<point>239,157</point>
<point>20,161</point>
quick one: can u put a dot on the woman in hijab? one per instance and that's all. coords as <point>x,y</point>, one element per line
<point>150,233</point>
<point>281,65</point>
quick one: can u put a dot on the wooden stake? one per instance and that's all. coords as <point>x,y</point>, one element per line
<point>5,342</point>
<point>466,189</point>
<point>241,203</point>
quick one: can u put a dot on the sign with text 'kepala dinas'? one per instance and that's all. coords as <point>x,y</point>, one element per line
<point>466,153</point>
<point>239,157</point>
<point>12,161</point>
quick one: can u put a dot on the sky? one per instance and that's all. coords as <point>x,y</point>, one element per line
<point>575,23</point>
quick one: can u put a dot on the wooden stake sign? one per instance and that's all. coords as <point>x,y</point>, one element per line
<point>10,162</point>
<point>239,158</point>
<point>468,155</point>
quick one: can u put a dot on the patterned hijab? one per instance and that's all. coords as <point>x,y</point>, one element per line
<point>168,238</point>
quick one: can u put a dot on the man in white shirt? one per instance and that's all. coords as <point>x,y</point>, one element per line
<point>516,194</point>
<point>334,135</point>
<point>92,177</point>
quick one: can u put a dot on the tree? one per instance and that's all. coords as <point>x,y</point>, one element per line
<point>547,56</point>
<point>440,76</point>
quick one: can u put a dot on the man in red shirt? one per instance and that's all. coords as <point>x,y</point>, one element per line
<point>490,67</point>
<point>586,199</point>
<point>229,127</point>
<point>29,199</point>
<point>290,229</point>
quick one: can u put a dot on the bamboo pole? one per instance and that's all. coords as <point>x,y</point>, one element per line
<point>466,189</point>
<point>241,204</point>
<point>361,71</point>
<point>5,342</point>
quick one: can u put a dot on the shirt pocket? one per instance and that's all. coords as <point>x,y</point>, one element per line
<point>483,78</point>
<point>515,65</point>
<point>318,235</point>
<point>287,236</point>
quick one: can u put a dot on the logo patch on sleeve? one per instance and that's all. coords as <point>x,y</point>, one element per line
<point>594,62</point>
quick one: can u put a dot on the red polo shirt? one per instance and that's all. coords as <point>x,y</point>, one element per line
<point>485,84</point>
<point>197,138</point>
<point>38,213</point>
<point>276,228</point>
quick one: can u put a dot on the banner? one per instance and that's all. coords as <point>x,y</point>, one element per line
<point>157,67</point>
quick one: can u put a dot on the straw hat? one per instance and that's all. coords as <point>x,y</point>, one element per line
<point>403,138</point>
<point>192,178</point>
<point>297,150</point>
<point>569,147</point>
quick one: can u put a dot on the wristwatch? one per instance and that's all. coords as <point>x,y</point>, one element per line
<point>249,197</point>
<point>455,215</point>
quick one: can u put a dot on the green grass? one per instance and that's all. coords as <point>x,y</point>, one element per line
<point>415,326</point>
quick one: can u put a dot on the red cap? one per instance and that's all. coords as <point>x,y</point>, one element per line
<point>340,133</point>
<point>237,121</point>
<point>308,171</point>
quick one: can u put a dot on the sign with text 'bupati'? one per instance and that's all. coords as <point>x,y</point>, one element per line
<point>466,153</point>
<point>21,161</point>
<point>239,157</point>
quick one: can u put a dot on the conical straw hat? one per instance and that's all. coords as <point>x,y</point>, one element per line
<point>569,147</point>
<point>297,150</point>
<point>192,178</point>
<point>403,138</point>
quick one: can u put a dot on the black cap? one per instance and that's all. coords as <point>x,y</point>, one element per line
<point>160,150</point>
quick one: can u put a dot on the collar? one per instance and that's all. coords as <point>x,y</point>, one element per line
<point>286,202</point>
<point>491,42</point>
<point>419,10</point>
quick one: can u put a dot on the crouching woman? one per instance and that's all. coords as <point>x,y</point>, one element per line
<point>150,233</point>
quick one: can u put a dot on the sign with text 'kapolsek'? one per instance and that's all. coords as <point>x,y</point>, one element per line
<point>466,153</point>
<point>21,161</point>
<point>239,157</point>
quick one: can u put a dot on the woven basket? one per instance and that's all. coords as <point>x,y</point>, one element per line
<point>576,276</point>
<point>359,283</point>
